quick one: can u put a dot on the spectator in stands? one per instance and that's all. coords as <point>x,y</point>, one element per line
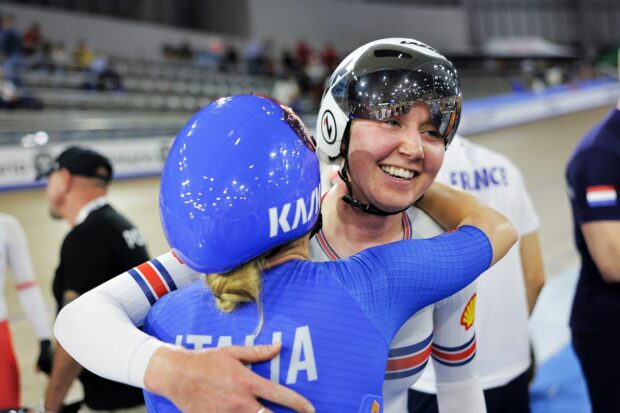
<point>83,56</point>
<point>230,59</point>
<point>185,50</point>
<point>286,90</point>
<point>302,52</point>
<point>101,75</point>
<point>253,56</point>
<point>32,39</point>
<point>12,49</point>
<point>288,63</point>
<point>12,98</point>
<point>42,58</point>
<point>268,61</point>
<point>330,57</point>
<point>167,51</point>
<point>316,73</point>
<point>60,57</point>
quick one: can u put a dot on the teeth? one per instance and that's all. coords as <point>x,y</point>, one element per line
<point>397,172</point>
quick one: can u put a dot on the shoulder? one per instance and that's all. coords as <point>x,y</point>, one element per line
<point>9,223</point>
<point>422,225</point>
<point>85,231</point>
<point>108,214</point>
<point>177,301</point>
<point>592,158</point>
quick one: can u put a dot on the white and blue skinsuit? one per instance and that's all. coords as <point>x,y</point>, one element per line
<point>335,319</point>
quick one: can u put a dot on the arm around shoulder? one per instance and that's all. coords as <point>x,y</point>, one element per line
<point>454,208</point>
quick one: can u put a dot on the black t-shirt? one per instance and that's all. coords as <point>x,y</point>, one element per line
<point>103,246</point>
<point>593,176</point>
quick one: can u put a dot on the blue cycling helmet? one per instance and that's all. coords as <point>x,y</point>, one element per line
<point>241,178</point>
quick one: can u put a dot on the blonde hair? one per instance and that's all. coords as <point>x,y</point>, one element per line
<point>238,286</point>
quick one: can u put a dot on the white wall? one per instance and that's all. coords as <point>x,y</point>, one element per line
<point>349,24</point>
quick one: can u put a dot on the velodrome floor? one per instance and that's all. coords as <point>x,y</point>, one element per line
<point>540,150</point>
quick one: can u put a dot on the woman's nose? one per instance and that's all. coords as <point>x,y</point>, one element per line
<point>411,145</point>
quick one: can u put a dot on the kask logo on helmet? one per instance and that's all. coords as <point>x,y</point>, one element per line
<point>328,127</point>
<point>279,215</point>
<point>420,44</point>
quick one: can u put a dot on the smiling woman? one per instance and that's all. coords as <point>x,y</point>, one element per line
<point>400,93</point>
<point>396,159</point>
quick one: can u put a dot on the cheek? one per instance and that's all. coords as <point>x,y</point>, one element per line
<point>433,159</point>
<point>53,191</point>
<point>368,142</point>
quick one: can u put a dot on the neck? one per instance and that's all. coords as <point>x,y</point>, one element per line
<point>350,230</point>
<point>79,201</point>
<point>295,250</point>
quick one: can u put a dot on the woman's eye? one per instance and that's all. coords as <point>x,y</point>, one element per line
<point>392,122</point>
<point>432,133</point>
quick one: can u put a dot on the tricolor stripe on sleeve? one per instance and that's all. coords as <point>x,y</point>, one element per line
<point>455,356</point>
<point>408,361</point>
<point>153,279</point>
<point>601,196</point>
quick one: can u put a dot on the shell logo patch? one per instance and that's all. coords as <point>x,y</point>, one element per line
<point>469,313</point>
<point>371,403</point>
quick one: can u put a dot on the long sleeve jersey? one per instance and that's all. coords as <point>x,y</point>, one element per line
<point>335,319</point>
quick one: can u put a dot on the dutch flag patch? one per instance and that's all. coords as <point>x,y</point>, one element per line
<point>601,196</point>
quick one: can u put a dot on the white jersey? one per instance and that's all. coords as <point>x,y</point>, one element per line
<point>501,305</point>
<point>442,331</point>
<point>14,256</point>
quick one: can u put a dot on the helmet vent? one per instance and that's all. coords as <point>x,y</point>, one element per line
<point>392,53</point>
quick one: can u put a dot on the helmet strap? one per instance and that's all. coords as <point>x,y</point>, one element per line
<point>349,198</point>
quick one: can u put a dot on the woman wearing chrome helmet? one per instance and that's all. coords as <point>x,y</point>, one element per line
<point>387,116</point>
<point>239,196</point>
<point>382,82</point>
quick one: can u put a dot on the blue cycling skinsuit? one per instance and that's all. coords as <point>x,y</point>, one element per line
<point>335,319</point>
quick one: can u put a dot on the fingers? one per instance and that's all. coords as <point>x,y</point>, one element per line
<point>255,353</point>
<point>278,394</point>
<point>263,388</point>
<point>258,408</point>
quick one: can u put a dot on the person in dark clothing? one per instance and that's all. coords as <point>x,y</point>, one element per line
<point>12,50</point>
<point>101,244</point>
<point>593,177</point>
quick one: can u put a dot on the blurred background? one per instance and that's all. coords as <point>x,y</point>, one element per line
<point>123,76</point>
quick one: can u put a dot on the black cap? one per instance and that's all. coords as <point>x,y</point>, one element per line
<point>83,162</point>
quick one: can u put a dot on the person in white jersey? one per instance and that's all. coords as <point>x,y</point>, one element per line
<point>14,256</point>
<point>506,294</point>
<point>391,150</point>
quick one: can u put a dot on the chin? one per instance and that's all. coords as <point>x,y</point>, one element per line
<point>392,206</point>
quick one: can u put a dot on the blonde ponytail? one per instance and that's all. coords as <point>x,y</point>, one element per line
<point>241,285</point>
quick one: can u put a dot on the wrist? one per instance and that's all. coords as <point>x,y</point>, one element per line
<point>41,408</point>
<point>158,370</point>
